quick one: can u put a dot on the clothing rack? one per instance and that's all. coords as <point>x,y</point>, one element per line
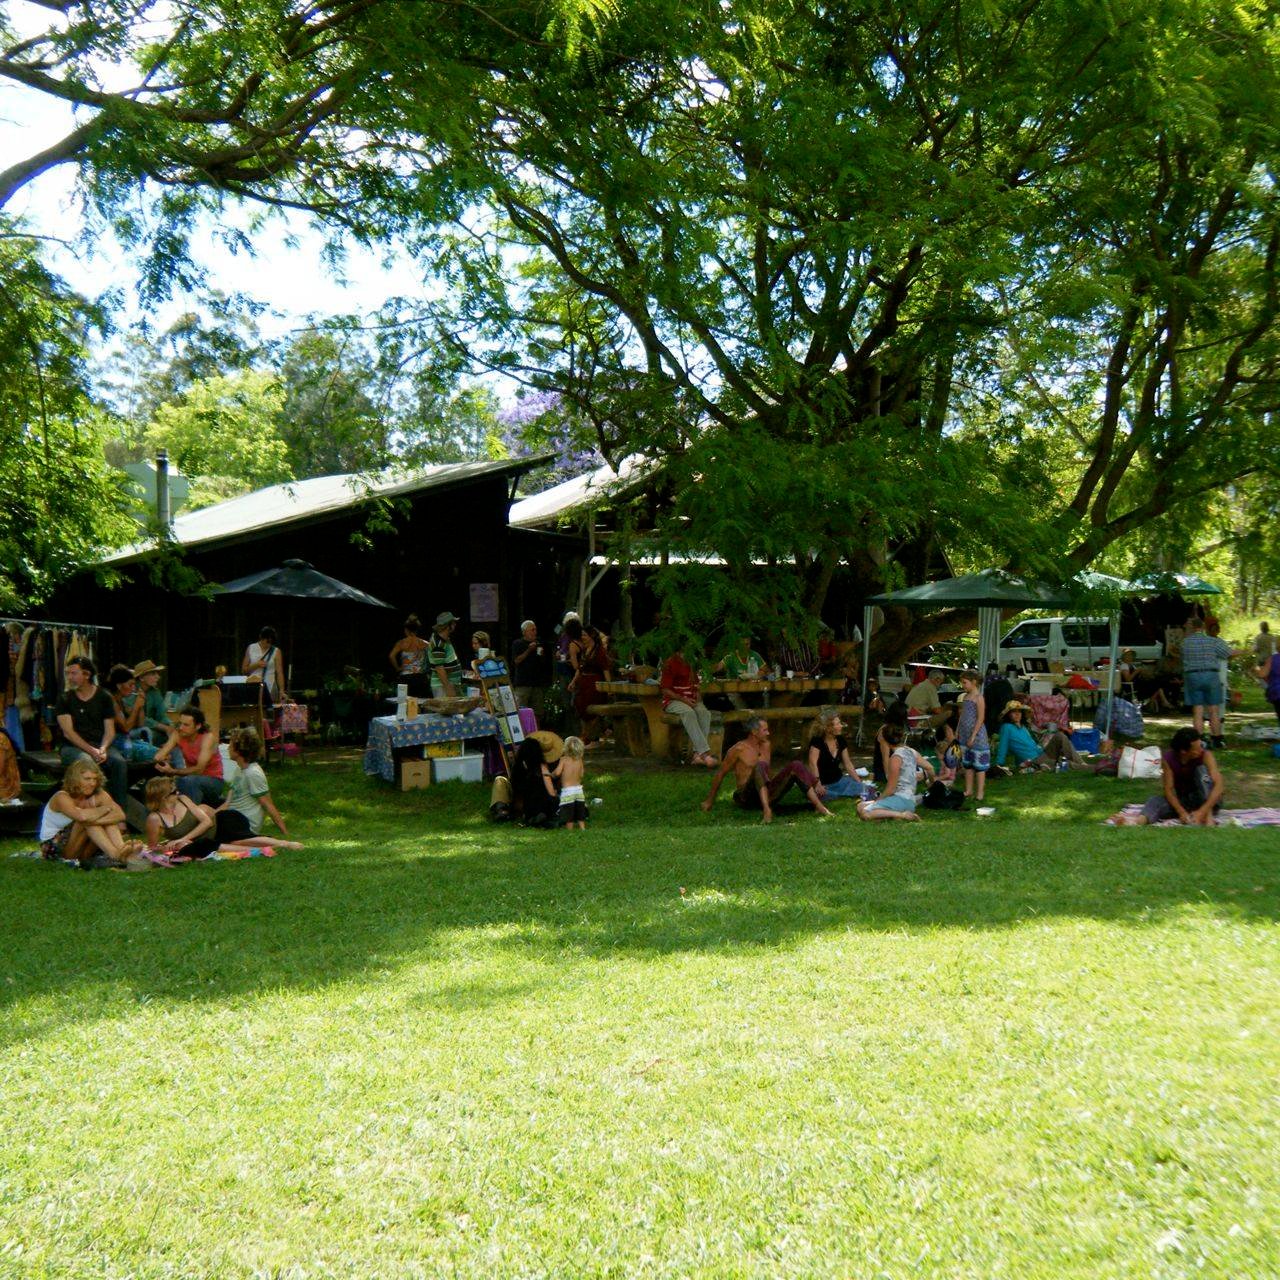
<point>63,626</point>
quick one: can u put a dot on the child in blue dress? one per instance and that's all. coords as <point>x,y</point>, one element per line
<point>975,746</point>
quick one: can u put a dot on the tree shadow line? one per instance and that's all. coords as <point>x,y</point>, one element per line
<point>309,919</point>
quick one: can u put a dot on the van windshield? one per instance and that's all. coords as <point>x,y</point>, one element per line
<point>1027,635</point>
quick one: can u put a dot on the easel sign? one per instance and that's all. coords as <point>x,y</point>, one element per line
<point>501,701</point>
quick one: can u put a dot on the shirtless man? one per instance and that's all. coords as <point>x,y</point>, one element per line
<point>755,787</point>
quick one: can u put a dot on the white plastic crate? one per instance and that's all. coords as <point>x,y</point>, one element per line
<point>458,769</point>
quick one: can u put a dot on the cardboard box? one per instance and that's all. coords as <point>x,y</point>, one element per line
<point>415,774</point>
<point>459,769</point>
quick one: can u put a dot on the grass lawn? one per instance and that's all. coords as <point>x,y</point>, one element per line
<point>675,1045</point>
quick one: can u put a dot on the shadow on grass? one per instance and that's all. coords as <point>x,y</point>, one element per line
<point>395,880</point>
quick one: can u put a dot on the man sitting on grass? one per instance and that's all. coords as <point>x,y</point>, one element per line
<point>756,788</point>
<point>1192,786</point>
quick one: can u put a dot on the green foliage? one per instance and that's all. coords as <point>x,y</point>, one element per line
<point>62,505</point>
<point>998,278</point>
<point>225,434</point>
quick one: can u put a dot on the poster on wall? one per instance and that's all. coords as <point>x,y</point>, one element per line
<point>484,602</point>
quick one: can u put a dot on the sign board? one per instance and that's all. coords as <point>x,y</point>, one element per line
<point>501,699</point>
<point>484,602</point>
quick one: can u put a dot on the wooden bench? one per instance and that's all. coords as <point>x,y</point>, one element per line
<point>786,717</point>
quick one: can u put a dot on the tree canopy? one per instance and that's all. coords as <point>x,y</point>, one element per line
<point>869,277</point>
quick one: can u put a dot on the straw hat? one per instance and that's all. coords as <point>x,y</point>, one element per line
<point>552,745</point>
<point>145,668</point>
<point>1014,705</point>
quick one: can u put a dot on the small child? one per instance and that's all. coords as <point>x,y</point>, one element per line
<point>569,772</point>
<point>975,746</point>
<point>240,816</point>
<point>944,740</point>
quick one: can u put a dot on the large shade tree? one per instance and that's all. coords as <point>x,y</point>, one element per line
<point>864,275</point>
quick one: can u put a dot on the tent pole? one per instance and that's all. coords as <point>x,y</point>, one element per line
<point>868,612</point>
<point>1111,669</point>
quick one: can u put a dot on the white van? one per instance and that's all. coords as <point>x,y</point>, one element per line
<point>1077,642</point>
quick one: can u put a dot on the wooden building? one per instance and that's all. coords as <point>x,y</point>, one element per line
<point>434,540</point>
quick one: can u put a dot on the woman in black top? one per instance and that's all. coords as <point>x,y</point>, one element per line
<point>829,759</point>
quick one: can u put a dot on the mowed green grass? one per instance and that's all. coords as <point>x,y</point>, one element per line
<point>676,1045</point>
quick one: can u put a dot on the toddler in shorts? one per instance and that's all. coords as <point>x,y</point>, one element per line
<point>569,773</point>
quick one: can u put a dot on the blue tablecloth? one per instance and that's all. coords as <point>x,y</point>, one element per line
<point>388,735</point>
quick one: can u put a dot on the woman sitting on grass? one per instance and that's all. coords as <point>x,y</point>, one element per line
<point>1192,786</point>
<point>176,825</point>
<point>829,758</point>
<point>536,798</point>
<point>899,798</point>
<point>896,717</point>
<point>241,817</point>
<point>1017,740</point>
<point>82,822</point>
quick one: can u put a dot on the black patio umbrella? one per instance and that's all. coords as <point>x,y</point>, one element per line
<point>298,580</point>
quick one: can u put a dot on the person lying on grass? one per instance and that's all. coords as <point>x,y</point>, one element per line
<point>1192,786</point>
<point>1017,740</point>
<point>899,798</point>
<point>241,816</point>
<point>756,787</point>
<point>82,820</point>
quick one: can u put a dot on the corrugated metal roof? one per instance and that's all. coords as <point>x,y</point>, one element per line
<point>302,500</point>
<point>592,489</point>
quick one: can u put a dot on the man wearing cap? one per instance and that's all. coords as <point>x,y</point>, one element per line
<point>446,670</point>
<point>154,716</point>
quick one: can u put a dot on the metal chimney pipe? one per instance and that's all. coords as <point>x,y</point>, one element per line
<point>162,491</point>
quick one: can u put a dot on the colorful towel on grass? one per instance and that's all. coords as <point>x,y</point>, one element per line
<point>1225,818</point>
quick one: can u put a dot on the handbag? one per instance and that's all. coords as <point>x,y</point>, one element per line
<point>1139,762</point>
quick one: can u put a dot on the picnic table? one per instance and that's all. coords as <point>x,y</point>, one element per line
<point>783,693</point>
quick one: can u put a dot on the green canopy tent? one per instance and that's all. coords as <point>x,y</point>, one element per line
<point>990,591</point>
<point>1186,584</point>
<point>296,580</point>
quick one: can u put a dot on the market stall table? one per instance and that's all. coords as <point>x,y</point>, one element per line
<point>783,693</point>
<point>390,738</point>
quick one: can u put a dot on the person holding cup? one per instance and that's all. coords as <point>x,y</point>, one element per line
<point>530,669</point>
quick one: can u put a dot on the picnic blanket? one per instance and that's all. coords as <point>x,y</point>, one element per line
<point>1225,817</point>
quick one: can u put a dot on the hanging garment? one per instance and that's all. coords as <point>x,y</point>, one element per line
<point>40,667</point>
<point>77,648</point>
<point>22,694</point>
<point>9,655</point>
<point>58,680</point>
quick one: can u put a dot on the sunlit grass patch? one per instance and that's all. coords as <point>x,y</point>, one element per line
<point>673,1044</point>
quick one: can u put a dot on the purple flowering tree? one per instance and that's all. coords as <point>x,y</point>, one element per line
<point>542,422</point>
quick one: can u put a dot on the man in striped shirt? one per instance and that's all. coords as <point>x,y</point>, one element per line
<point>1201,683</point>
<point>446,670</point>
